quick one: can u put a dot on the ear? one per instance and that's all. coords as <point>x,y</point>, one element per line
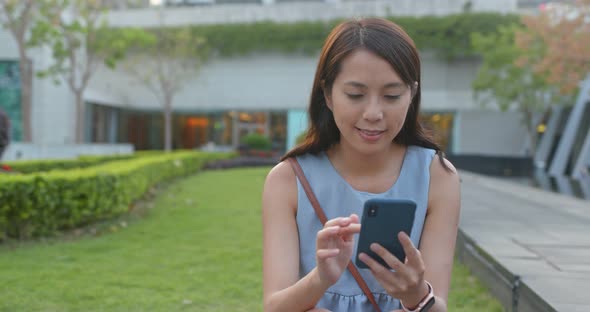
<point>328,99</point>
<point>414,89</point>
<point>327,96</point>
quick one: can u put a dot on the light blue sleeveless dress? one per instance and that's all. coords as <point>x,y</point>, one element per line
<point>337,198</point>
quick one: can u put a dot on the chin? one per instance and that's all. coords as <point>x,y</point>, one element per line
<point>368,148</point>
<point>372,148</point>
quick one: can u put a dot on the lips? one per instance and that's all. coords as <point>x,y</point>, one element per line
<point>370,134</point>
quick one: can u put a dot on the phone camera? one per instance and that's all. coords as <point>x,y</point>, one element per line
<point>372,211</point>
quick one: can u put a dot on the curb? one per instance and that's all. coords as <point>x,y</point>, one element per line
<point>512,292</point>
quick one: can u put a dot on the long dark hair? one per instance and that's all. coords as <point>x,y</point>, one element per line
<point>387,40</point>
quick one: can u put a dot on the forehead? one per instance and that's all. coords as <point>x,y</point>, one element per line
<point>368,68</point>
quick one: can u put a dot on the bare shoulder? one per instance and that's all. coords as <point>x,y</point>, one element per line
<point>444,182</point>
<point>438,171</point>
<point>281,176</point>
<point>281,184</point>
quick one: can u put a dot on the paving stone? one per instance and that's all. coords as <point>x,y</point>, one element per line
<point>541,236</point>
<point>504,247</point>
<point>572,307</point>
<point>560,289</point>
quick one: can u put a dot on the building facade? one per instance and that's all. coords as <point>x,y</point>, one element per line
<point>263,93</point>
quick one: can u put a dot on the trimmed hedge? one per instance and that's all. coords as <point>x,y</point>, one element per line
<point>31,166</point>
<point>40,204</point>
<point>257,141</point>
<point>448,35</point>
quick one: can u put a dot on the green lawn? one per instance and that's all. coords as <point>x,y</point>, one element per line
<point>196,247</point>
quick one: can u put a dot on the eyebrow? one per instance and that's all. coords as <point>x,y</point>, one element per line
<point>361,85</point>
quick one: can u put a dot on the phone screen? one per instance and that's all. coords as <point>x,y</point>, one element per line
<point>381,222</point>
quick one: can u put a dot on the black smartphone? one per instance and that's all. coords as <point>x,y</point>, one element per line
<point>381,221</point>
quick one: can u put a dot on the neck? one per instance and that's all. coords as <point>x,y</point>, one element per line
<point>359,164</point>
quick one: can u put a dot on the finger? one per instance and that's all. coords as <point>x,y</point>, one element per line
<point>323,254</point>
<point>347,233</point>
<point>332,222</point>
<point>345,221</point>
<point>390,259</point>
<point>375,267</point>
<point>350,229</point>
<point>381,273</point>
<point>327,233</point>
<point>412,254</point>
<point>354,218</point>
<point>370,262</point>
<point>340,221</point>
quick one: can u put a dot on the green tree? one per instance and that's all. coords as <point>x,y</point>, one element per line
<point>17,17</point>
<point>165,65</point>
<point>510,85</point>
<point>80,40</point>
<point>564,29</point>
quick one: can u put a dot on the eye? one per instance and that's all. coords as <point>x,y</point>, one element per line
<point>354,96</point>
<point>392,97</point>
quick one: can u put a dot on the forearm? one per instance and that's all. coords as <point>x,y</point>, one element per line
<point>301,296</point>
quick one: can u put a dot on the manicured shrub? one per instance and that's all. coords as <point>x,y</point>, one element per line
<point>257,141</point>
<point>40,204</point>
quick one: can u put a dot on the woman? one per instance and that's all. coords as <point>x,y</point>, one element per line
<point>364,141</point>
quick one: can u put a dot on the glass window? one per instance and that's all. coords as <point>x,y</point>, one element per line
<point>440,126</point>
<point>278,130</point>
<point>10,90</point>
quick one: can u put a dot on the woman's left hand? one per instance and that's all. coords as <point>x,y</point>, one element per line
<point>407,282</point>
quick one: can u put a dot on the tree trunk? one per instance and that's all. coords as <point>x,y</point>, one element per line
<point>80,114</point>
<point>168,124</point>
<point>26,74</point>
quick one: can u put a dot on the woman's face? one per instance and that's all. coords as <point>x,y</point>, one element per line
<point>369,102</point>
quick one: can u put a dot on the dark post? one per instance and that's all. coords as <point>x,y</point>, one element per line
<point>4,132</point>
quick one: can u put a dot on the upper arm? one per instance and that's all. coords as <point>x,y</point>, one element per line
<point>437,245</point>
<point>280,234</point>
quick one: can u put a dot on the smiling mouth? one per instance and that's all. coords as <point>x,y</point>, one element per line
<point>370,132</point>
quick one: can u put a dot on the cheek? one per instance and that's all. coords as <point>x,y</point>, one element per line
<point>401,116</point>
<point>342,118</point>
<point>398,116</point>
<point>344,112</point>
<point>399,123</point>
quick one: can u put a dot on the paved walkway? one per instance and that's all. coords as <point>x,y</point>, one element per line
<point>531,247</point>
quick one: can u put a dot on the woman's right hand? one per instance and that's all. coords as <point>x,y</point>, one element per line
<point>334,246</point>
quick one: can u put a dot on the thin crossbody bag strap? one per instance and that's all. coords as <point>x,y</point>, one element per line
<point>322,216</point>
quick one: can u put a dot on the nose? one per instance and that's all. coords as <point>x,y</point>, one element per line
<point>373,111</point>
